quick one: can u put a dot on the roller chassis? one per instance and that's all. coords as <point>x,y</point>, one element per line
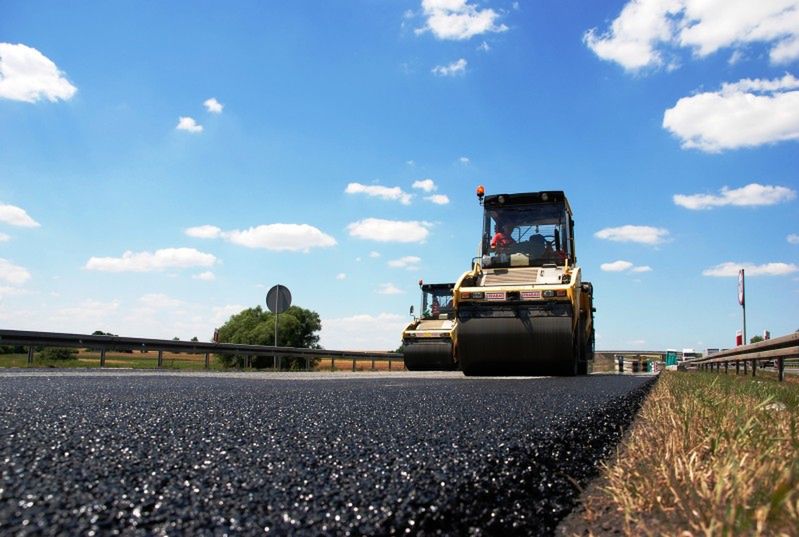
<point>526,337</point>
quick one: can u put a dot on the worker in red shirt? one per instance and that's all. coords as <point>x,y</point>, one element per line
<point>503,239</point>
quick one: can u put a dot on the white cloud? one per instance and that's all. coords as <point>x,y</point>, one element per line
<point>747,113</point>
<point>409,262</point>
<point>747,196</point>
<point>213,106</point>
<point>730,269</point>
<point>188,124</point>
<point>458,20</point>
<point>4,237</point>
<point>290,237</point>
<point>759,85</point>
<point>457,67</point>
<point>389,289</point>
<point>159,301</point>
<point>204,232</point>
<point>16,216</point>
<point>428,185</point>
<point>377,191</point>
<point>28,75</point>
<point>88,312</point>
<point>438,199</point>
<point>793,238</point>
<point>13,274</point>
<point>465,161</point>
<point>639,234</point>
<point>206,276</point>
<point>6,291</point>
<point>380,230</point>
<point>341,276</point>
<point>410,163</point>
<point>484,47</point>
<point>149,262</point>
<point>616,266</point>
<point>647,30</point>
<point>374,254</point>
<point>281,237</point>
<point>221,314</point>
<point>381,332</point>
<point>623,266</point>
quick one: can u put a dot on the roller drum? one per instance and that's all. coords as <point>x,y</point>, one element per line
<point>517,345</point>
<point>429,356</point>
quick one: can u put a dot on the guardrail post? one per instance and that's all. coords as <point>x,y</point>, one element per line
<point>737,367</point>
<point>160,359</point>
<point>307,363</point>
<point>30,355</point>
<point>102,357</point>
<point>373,364</point>
<point>754,367</point>
<point>332,363</point>
<point>746,368</point>
<point>726,367</point>
<point>207,360</point>
<point>781,369</point>
<point>389,364</point>
<point>353,365</point>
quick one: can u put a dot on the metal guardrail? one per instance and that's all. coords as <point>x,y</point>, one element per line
<point>116,343</point>
<point>780,350</point>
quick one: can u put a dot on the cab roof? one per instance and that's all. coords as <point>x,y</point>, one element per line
<point>526,198</point>
<point>427,287</point>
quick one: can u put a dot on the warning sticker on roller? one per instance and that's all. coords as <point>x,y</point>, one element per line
<point>495,295</point>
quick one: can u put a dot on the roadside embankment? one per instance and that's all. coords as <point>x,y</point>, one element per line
<point>708,454</point>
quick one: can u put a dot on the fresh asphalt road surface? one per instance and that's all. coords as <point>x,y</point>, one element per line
<point>141,454</point>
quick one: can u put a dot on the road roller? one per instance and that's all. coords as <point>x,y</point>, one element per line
<point>428,341</point>
<point>523,308</point>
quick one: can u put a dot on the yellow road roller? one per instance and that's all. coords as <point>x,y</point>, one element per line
<point>428,341</point>
<point>524,308</point>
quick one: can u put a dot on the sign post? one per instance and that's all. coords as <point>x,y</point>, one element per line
<point>742,300</point>
<point>278,300</point>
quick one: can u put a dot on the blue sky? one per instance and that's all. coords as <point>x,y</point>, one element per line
<point>163,164</point>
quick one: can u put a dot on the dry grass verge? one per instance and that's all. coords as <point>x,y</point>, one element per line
<point>708,455</point>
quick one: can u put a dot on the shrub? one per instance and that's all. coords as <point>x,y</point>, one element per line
<point>58,353</point>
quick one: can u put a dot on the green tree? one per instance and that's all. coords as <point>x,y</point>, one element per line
<point>755,339</point>
<point>195,339</point>
<point>297,327</point>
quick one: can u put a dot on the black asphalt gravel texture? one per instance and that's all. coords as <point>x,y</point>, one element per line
<point>171,455</point>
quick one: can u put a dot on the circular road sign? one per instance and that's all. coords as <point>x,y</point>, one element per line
<point>278,299</point>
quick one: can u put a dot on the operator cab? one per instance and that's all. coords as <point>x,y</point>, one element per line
<point>437,300</point>
<point>527,230</point>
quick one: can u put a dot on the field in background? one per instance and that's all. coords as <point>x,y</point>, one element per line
<point>149,360</point>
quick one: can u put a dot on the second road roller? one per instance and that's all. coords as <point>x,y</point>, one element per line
<point>524,308</point>
<point>428,341</point>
